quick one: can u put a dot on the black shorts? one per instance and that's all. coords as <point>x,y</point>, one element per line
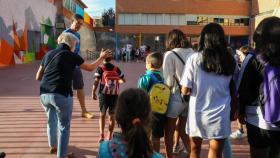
<point>78,82</point>
<point>158,125</point>
<point>261,138</point>
<point>107,101</point>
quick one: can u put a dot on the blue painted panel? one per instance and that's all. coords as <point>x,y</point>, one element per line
<point>79,10</point>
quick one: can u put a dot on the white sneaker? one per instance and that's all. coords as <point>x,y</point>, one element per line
<point>237,134</point>
<point>178,148</point>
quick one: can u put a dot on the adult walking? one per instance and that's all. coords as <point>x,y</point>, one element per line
<point>78,82</point>
<point>56,74</point>
<point>173,65</point>
<point>263,136</point>
<point>206,79</point>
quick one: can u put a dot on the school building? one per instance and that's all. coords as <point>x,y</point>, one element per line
<point>148,21</point>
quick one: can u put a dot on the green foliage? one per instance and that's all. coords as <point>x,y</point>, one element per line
<point>108,17</point>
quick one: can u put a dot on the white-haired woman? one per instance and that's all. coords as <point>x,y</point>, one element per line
<point>55,73</point>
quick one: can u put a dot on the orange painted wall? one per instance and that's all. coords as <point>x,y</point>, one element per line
<point>225,7</point>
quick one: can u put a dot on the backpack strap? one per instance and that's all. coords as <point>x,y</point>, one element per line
<point>103,67</point>
<point>176,79</point>
<point>178,57</point>
<point>242,69</point>
<point>155,78</point>
<point>115,68</point>
<point>52,59</point>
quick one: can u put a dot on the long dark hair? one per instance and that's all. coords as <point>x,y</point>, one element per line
<point>134,103</point>
<point>267,40</point>
<point>216,57</point>
<point>177,39</point>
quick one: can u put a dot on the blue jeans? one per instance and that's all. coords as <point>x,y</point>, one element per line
<point>227,149</point>
<point>59,113</point>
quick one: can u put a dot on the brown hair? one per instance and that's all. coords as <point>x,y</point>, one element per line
<point>177,39</point>
<point>155,59</point>
<point>134,103</point>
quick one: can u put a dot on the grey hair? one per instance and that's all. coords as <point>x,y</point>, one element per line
<point>68,39</point>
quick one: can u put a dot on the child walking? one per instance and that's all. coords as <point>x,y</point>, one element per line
<point>108,76</point>
<point>133,114</point>
<point>153,65</point>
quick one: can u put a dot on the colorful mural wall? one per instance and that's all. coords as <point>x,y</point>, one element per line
<point>26,30</point>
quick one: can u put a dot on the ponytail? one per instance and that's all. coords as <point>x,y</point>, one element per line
<point>139,145</point>
<point>133,114</point>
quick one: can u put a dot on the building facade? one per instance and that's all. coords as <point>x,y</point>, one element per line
<point>148,21</point>
<point>29,28</point>
<point>262,9</point>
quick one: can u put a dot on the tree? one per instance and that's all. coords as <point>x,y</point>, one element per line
<point>108,17</point>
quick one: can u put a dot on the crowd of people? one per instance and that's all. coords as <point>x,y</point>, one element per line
<point>210,87</point>
<point>128,53</point>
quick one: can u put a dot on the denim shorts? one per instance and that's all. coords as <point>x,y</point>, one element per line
<point>176,107</point>
<point>78,82</point>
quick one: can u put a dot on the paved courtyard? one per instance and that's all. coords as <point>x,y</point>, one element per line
<point>23,121</point>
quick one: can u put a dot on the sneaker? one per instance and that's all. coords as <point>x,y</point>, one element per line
<point>87,115</point>
<point>237,134</point>
<point>70,155</point>
<point>177,149</point>
<point>101,139</point>
<point>53,150</point>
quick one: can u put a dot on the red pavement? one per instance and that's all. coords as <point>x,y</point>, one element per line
<point>23,121</point>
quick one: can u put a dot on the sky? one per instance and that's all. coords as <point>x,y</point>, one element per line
<point>96,7</point>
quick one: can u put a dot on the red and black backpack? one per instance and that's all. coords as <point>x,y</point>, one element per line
<point>110,80</point>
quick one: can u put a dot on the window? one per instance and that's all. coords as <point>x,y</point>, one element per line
<point>182,20</point>
<point>226,22</point>
<point>231,22</point>
<point>166,19</point>
<point>221,21</point>
<point>216,20</point>
<point>121,19</point>
<point>128,19</point>
<point>236,21</point>
<point>144,19</point>
<point>135,19</point>
<point>151,19</point>
<point>174,19</point>
<point>159,19</point>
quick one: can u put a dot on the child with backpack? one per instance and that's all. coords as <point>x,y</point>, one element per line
<point>133,114</point>
<point>147,82</point>
<point>108,76</point>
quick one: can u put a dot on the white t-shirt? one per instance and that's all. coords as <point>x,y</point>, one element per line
<point>172,66</point>
<point>209,106</point>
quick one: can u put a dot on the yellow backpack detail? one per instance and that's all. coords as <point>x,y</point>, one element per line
<point>159,97</point>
